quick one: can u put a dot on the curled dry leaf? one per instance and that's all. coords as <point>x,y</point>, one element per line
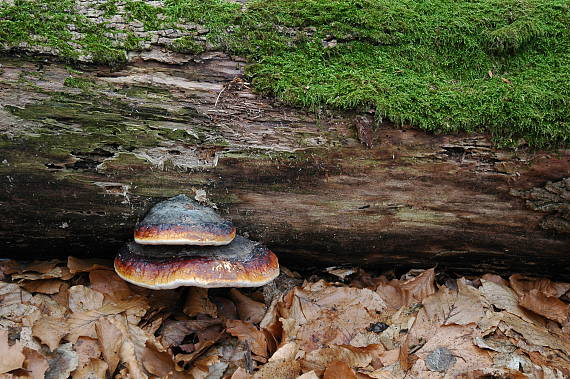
<point>35,364</point>
<point>248,310</point>
<point>197,302</point>
<point>323,315</point>
<point>548,306</point>
<point>286,352</point>
<point>319,360</point>
<point>46,286</point>
<point>110,339</point>
<point>173,332</point>
<point>76,265</point>
<point>247,332</point>
<point>82,298</point>
<point>524,284</point>
<point>12,355</point>
<point>62,362</point>
<point>309,375</point>
<point>156,362</point>
<point>339,370</point>
<point>226,308</point>
<point>87,349</point>
<point>109,284</point>
<point>50,331</point>
<point>397,293</point>
<point>462,307</point>
<point>240,373</point>
<point>278,370</point>
<point>95,368</point>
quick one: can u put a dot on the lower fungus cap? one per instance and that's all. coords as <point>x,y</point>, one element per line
<point>243,263</point>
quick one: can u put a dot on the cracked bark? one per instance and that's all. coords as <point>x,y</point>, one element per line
<point>78,167</point>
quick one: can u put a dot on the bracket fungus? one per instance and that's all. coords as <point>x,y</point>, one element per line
<point>208,253</point>
<point>183,221</point>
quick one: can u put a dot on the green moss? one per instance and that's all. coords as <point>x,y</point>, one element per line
<point>146,13</point>
<point>187,45</point>
<point>78,82</point>
<point>109,8</point>
<point>445,66</point>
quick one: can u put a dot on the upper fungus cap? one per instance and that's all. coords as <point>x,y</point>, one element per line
<point>242,263</point>
<point>183,221</point>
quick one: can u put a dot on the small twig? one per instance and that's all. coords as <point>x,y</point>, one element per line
<point>218,98</point>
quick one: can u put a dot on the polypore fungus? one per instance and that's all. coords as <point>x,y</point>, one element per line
<point>182,221</point>
<point>218,259</point>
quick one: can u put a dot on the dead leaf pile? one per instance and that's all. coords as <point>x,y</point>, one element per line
<point>79,319</point>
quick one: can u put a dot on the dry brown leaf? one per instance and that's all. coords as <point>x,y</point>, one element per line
<point>12,356</point>
<point>548,306</point>
<point>197,302</point>
<point>247,332</point>
<point>226,308</point>
<point>319,360</point>
<point>394,296</point>
<point>110,339</point>
<point>15,307</point>
<point>339,370</point>
<point>270,321</point>
<point>308,375</point>
<point>109,284</point>
<point>421,286</point>
<point>278,370</point>
<point>207,366</point>
<point>323,315</point>
<point>173,332</point>
<point>87,349</point>
<point>76,265</point>
<point>157,363</point>
<point>462,307</point>
<point>532,333</point>
<point>286,352</point>
<point>495,279</point>
<point>62,362</point>
<point>132,348</point>
<point>389,357</point>
<point>82,323</point>
<point>248,310</point>
<point>35,364</point>
<point>240,373</point>
<point>46,286</point>
<point>50,331</point>
<point>48,306</point>
<point>93,369</point>
<point>504,298</point>
<point>524,284</point>
<point>55,273</point>
<point>83,298</point>
<point>457,341</point>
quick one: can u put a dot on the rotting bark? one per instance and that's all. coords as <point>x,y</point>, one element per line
<point>79,166</point>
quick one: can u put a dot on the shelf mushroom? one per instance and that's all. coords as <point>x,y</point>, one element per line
<point>183,221</point>
<point>208,253</point>
<point>242,263</point>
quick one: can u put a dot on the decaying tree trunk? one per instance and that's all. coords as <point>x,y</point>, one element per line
<point>84,155</point>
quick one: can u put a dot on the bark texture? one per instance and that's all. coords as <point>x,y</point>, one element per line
<point>84,155</point>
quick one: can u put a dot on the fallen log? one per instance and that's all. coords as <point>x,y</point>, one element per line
<point>84,154</point>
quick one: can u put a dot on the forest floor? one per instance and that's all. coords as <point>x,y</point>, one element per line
<point>79,319</point>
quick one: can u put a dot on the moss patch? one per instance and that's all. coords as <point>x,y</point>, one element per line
<point>496,66</point>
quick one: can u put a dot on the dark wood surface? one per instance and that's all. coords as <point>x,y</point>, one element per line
<point>79,166</point>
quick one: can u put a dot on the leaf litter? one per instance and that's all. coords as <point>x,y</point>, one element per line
<point>79,319</point>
